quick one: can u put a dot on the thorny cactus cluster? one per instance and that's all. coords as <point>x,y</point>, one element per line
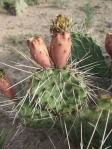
<point>60,89</point>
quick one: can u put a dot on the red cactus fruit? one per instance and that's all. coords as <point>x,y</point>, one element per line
<point>5,85</point>
<point>108,44</point>
<point>39,51</point>
<point>60,48</point>
<point>60,43</point>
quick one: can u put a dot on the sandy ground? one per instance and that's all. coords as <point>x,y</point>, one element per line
<point>37,20</point>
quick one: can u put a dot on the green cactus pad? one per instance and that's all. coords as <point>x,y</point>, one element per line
<point>56,111</point>
<point>55,94</point>
<point>87,120</point>
<point>85,50</point>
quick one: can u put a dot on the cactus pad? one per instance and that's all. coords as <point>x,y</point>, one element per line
<point>85,50</point>
<point>53,95</point>
<point>89,117</point>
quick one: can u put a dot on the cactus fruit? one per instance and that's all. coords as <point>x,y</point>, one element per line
<point>88,55</point>
<point>39,51</point>
<point>60,43</point>
<point>5,85</point>
<point>108,44</point>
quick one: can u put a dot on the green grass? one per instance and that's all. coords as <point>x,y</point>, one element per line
<point>2,137</point>
<point>32,2</point>
<point>7,2</point>
<point>88,20</point>
<point>1,3</point>
<point>60,3</point>
<point>17,40</point>
<point>20,40</point>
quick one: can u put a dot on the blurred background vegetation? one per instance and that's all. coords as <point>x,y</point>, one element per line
<point>16,7</point>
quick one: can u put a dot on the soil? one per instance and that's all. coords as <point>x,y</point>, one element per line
<point>36,20</point>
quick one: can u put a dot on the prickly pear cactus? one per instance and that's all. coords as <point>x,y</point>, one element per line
<point>54,94</point>
<point>88,55</point>
<point>97,118</point>
<point>15,7</point>
<point>56,91</point>
<point>20,6</point>
<point>58,94</point>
